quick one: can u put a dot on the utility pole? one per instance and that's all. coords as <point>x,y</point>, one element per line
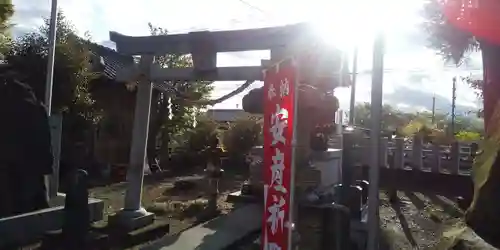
<point>353,86</point>
<point>453,99</point>
<point>433,109</point>
<point>51,55</point>
<point>376,113</point>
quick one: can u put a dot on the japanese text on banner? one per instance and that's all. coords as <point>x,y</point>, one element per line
<point>278,132</point>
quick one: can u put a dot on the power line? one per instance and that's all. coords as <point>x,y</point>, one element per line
<point>453,99</point>
<point>253,7</point>
<point>267,15</point>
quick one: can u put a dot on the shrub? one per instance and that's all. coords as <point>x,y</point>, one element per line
<point>241,136</point>
<point>186,149</point>
<point>467,136</point>
<point>199,137</point>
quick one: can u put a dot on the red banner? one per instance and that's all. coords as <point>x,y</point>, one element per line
<point>279,91</point>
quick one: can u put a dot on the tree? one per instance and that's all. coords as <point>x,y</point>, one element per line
<point>72,72</point>
<point>199,137</point>
<point>183,112</point>
<point>454,44</point>
<point>72,75</point>
<point>6,12</point>
<point>391,118</point>
<point>409,124</point>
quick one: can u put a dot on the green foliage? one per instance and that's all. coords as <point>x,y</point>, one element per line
<point>391,117</point>
<point>201,136</point>
<point>468,136</point>
<point>407,124</point>
<point>471,124</point>
<point>412,128</point>
<point>184,113</point>
<point>241,136</point>
<point>452,43</point>
<point>476,84</point>
<point>6,12</point>
<point>72,75</point>
<point>72,71</point>
<point>431,133</point>
<point>425,131</point>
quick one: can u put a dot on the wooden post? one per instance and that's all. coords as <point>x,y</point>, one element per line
<point>474,147</point>
<point>455,157</point>
<point>416,153</point>
<point>399,161</point>
<point>436,158</point>
<point>365,144</point>
<point>384,142</point>
<point>348,157</point>
<point>399,153</point>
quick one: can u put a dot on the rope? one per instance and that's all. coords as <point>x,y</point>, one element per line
<point>172,90</point>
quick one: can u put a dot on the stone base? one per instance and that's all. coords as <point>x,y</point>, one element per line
<point>223,232</point>
<point>23,228</point>
<point>309,227</point>
<point>237,197</point>
<point>131,220</point>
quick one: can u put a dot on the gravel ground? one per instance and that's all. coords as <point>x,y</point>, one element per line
<point>417,222</point>
<point>170,206</point>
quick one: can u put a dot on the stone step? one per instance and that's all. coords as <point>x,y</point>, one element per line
<point>217,234</point>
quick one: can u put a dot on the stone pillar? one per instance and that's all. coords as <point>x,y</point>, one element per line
<point>133,215</point>
<point>55,122</point>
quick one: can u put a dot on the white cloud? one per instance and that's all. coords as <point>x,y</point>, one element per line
<point>406,61</point>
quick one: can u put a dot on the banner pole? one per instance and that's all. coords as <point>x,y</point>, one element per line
<point>291,223</point>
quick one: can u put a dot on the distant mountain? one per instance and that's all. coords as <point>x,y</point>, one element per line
<point>412,100</point>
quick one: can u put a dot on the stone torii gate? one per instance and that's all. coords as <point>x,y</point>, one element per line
<point>203,47</point>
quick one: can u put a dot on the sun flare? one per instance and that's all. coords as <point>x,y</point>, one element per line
<point>353,23</point>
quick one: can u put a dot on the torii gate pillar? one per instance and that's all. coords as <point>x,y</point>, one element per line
<point>133,215</point>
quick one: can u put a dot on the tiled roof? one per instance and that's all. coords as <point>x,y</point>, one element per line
<point>108,61</point>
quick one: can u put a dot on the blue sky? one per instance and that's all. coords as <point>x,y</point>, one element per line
<point>413,72</point>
